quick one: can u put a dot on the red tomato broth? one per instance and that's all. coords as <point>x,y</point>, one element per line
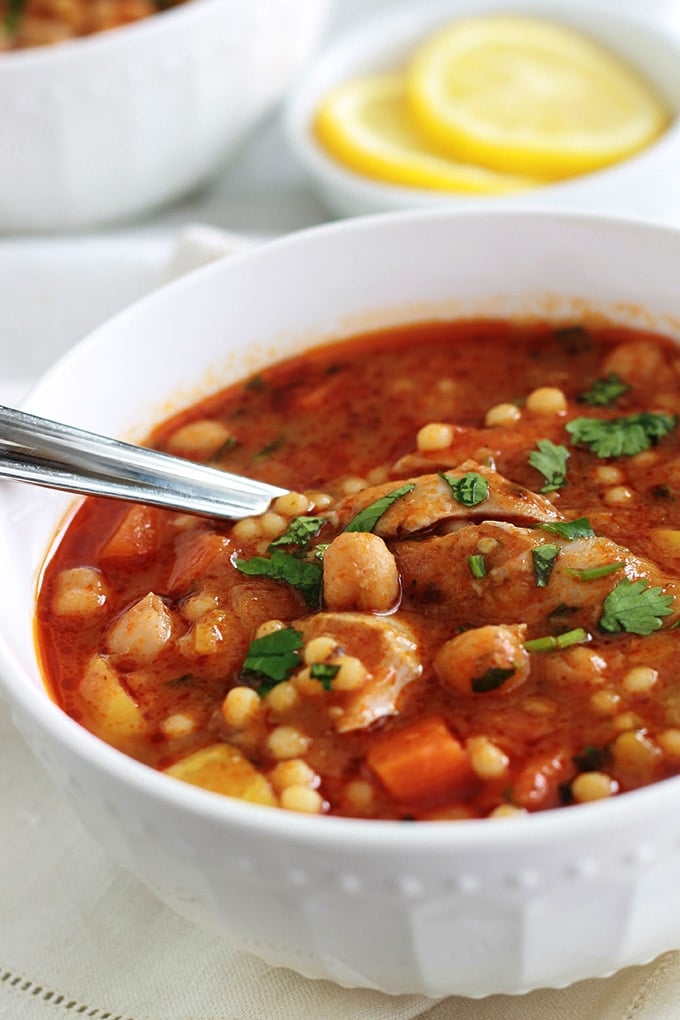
<point>319,424</point>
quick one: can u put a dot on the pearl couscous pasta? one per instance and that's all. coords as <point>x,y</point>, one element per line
<point>466,606</point>
<point>26,23</point>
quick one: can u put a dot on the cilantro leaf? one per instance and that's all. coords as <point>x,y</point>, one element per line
<point>621,437</point>
<point>274,656</point>
<point>468,490</point>
<point>494,678</point>
<point>543,557</point>
<point>580,528</point>
<point>551,461</point>
<point>304,576</point>
<point>300,532</point>
<point>604,392</point>
<point>325,673</point>
<point>635,607</point>
<point>367,518</point>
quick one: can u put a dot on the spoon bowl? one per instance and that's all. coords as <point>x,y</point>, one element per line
<point>58,456</point>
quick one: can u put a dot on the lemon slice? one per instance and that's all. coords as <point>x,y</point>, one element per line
<point>528,96</point>
<point>365,124</point>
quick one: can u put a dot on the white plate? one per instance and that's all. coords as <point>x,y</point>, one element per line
<point>646,34</point>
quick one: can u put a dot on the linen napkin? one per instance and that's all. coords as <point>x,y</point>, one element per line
<point>79,937</point>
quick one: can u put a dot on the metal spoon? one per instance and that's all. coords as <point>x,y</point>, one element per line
<point>58,456</point>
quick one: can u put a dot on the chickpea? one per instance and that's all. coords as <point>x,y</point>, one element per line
<point>143,630</point>
<point>491,658</point>
<point>359,572</point>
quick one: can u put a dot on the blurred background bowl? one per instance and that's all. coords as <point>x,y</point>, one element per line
<point>645,35</point>
<point>109,126</point>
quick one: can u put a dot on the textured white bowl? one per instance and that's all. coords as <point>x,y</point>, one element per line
<point>471,907</point>
<point>646,34</point>
<point>109,126</point>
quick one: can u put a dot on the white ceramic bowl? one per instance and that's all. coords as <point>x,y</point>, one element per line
<point>109,126</point>
<point>472,907</point>
<point>647,35</point>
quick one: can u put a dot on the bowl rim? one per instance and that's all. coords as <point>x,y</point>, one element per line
<point>376,37</point>
<point>32,698</point>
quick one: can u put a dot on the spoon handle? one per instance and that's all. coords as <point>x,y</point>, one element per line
<point>59,456</point>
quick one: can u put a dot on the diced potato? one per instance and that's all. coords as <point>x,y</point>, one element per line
<point>136,537</point>
<point>223,769</point>
<point>111,713</point>
<point>79,591</point>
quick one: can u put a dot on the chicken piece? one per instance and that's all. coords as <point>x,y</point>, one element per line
<point>386,647</point>
<point>432,502</point>
<point>436,571</point>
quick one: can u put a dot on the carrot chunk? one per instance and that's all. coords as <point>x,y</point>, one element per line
<point>423,763</point>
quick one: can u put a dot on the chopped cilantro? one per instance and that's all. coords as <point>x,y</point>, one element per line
<point>580,528</point>
<point>274,657</point>
<point>468,490</point>
<point>227,445</point>
<point>551,461</point>
<point>300,532</point>
<point>255,383</point>
<point>325,673</point>
<point>270,448</point>
<point>367,518</point>
<point>14,13</point>
<point>555,642</point>
<point>621,437</point>
<point>180,681</point>
<point>635,607</point>
<point>592,759</point>
<point>477,565</point>
<point>494,678</point>
<point>592,573</point>
<point>544,557</point>
<point>604,392</point>
<point>300,574</point>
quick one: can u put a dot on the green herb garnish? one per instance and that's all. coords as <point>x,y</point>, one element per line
<point>300,532</point>
<point>555,642</point>
<point>477,565</point>
<point>592,573</point>
<point>274,657</point>
<point>592,759</point>
<point>604,392</point>
<point>300,574</point>
<point>551,461</point>
<point>325,673</point>
<point>367,518</point>
<point>468,490</point>
<point>14,12</point>
<point>270,448</point>
<point>571,530</point>
<point>635,607</point>
<point>494,678</point>
<point>543,557</point>
<point>621,437</point>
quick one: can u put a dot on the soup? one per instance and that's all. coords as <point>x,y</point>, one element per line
<point>465,607</point>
